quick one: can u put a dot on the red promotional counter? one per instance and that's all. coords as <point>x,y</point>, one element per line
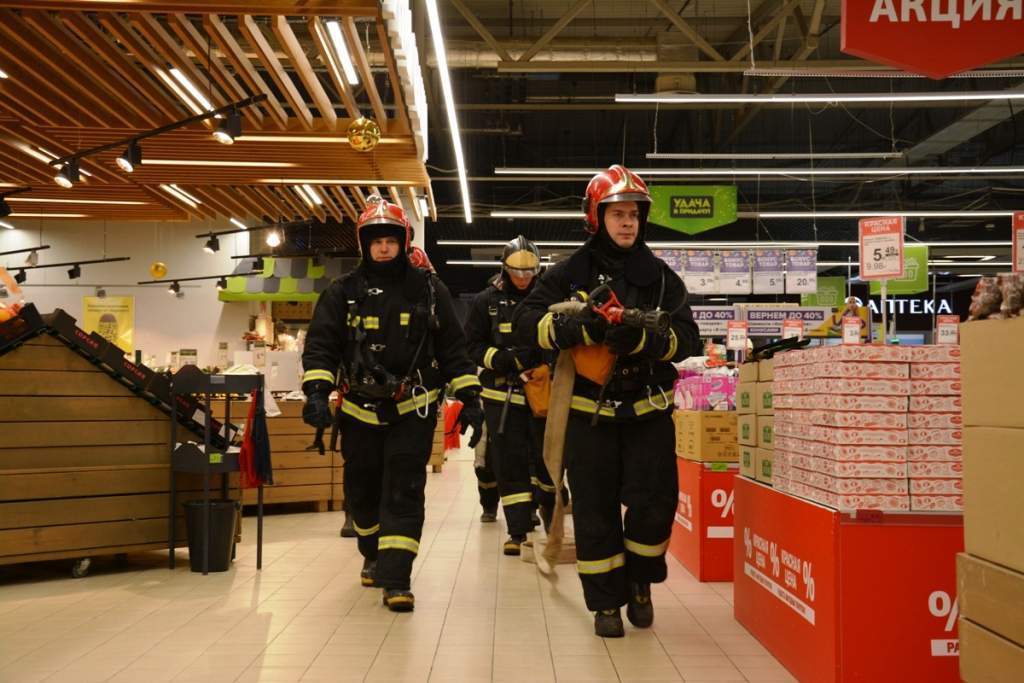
<point>847,597</point>
<point>702,534</point>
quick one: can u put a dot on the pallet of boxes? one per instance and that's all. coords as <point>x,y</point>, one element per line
<point>702,534</point>
<point>991,573</point>
<point>755,420</point>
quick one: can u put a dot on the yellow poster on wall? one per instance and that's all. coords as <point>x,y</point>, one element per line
<point>111,317</point>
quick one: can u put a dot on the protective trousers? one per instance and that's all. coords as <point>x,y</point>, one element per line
<point>543,488</point>
<point>614,464</point>
<point>508,453</point>
<point>385,474</point>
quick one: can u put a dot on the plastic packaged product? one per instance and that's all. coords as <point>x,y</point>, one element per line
<point>936,404</point>
<point>935,353</point>
<point>919,453</point>
<point>935,387</point>
<point>935,420</point>
<point>935,437</point>
<point>949,486</point>
<point>929,503</point>
<point>935,470</point>
<point>1011,286</point>
<point>935,370</point>
<point>986,300</point>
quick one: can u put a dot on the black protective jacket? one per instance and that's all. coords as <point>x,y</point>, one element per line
<point>385,331</point>
<point>489,332</point>
<point>643,381</point>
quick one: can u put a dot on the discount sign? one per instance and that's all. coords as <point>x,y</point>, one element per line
<point>947,329</point>
<point>881,248</point>
<point>736,337</point>
<point>1018,241</point>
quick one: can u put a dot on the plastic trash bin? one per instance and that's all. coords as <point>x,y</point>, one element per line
<point>222,534</point>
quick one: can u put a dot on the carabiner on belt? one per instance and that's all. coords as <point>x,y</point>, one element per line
<point>420,390</point>
<point>664,397</point>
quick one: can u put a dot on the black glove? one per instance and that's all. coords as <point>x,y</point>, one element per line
<point>317,411</point>
<point>622,339</point>
<point>472,415</point>
<point>504,362</point>
<point>569,330</point>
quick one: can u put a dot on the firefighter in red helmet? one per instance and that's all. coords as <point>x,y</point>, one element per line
<point>387,337</point>
<point>619,439</point>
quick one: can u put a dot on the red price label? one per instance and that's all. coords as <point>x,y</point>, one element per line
<point>1018,242</point>
<point>736,338</point>
<point>947,329</point>
<point>851,329</point>
<point>881,248</point>
<point>792,328</point>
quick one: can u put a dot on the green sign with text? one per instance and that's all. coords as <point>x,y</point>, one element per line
<point>693,209</point>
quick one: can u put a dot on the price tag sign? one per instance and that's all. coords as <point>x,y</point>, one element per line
<point>736,336</point>
<point>881,248</point>
<point>1018,241</point>
<point>851,329</point>
<point>947,329</point>
<point>792,328</point>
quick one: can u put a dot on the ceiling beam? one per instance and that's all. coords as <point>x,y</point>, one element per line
<point>272,64</point>
<point>554,30</point>
<point>480,29</point>
<point>286,38</point>
<point>396,82</point>
<point>362,64</point>
<point>322,43</point>
<point>765,30</point>
<point>353,8</point>
<point>688,30</point>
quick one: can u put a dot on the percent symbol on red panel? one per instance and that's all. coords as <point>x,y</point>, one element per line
<point>723,501</point>
<point>941,605</point>
<point>806,571</point>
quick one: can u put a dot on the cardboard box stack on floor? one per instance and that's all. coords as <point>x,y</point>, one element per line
<point>991,573</point>
<point>841,426</point>
<point>746,418</point>
<point>935,429</point>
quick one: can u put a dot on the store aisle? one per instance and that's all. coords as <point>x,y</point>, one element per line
<point>479,616</point>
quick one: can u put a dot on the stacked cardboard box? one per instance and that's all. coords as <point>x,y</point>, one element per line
<point>841,429</point>
<point>935,429</point>
<point>754,420</point>
<point>991,574</point>
<point>706,435</point>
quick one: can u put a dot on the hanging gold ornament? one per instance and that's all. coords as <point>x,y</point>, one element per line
<point>363,134</point>
<point>157,269</point>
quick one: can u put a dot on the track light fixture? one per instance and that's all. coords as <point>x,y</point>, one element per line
<point>258,264</point>
<point>230,129</point>
<point>68,175</point>
<point>273,239</point>
<point>21,276</point>
<point>101,292</point>
<point>212,245</point>
<point>131,158</point>
<point>174,289</point>
<point>222,284</point>
<point>75,272</point>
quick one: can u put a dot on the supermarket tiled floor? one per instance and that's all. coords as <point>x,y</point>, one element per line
<point>479,616</point>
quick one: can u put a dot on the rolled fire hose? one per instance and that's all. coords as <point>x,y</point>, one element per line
<point>554,449</point>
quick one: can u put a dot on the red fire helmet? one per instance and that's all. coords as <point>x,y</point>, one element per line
<point>379,211</point>
<point>617,184</point>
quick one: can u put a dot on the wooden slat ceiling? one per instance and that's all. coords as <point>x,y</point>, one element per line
<point>81,74</point>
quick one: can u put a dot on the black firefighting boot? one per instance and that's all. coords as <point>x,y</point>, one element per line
<point>534,520</point>
<point>490,514</point>
<point>348,529</point>
<point>369,569</point>
<point>546,514</point>
<point>640,611</point>
<point>398,600</point>
<point>513,544</point>
<point>608,623</point>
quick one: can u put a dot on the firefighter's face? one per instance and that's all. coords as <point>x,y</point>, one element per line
<point>521,278</point>
<point>383,249</point>
<point>622,221</point>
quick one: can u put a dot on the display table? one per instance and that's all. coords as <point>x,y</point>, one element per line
<point>702,534</point>
<point>844,597</point>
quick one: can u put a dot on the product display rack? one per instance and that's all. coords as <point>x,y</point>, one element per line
<point>215,456</point>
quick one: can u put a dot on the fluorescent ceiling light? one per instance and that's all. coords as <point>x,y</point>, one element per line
<point>239,224</point>
<point>976,257</point>
<point>179,195</point>
<point>49,215</point>
<point>42,154</point>
<point>6,225</point>
<point>186,194</point>
<point>313,194</point>
<point>883,212</point>
<point>538,214</point>
<point>3,74</point>
<point>969,275</point>
<point>449,103</point>
<point>192,89</point>
<point>341,50</point>
<point>489,264</point>
<point>182,94</point>
<point>103,202</point>
<point>214,162</point>
<point>309,138</point>
<point>791,172</point>
<point>424,207</point>
<point>775,156</point>
<point>818,98</point>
